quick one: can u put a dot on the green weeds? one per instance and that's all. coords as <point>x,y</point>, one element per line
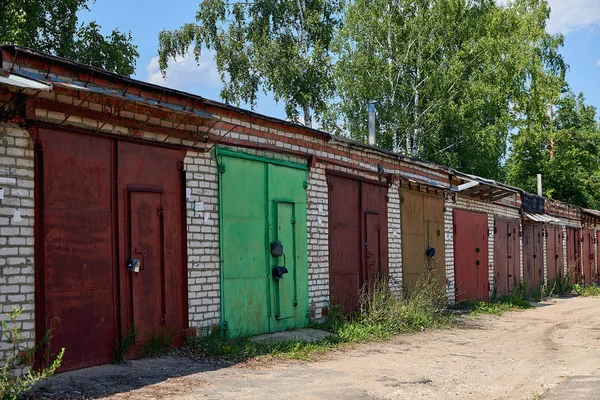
<point>214,343</point>
<point>124,345</point>
<point>497,307</point>
<point>381,314</point>
<point>516,301</point>
<point>158,344</point>
<point>589,290</point>
<point>12,381</point>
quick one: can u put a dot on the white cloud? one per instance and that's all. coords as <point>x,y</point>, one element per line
<point>598,63</point>
<point>184,73</point>
<point>571,15</point>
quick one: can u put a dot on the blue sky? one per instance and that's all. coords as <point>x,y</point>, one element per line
<point>578,20</point>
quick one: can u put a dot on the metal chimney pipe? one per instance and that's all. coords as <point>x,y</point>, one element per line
<point>371,109</point>
<point>539,184</point>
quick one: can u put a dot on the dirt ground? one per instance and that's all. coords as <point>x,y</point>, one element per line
<point>521,355</point>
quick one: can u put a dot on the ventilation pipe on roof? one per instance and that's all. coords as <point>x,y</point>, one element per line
<point>539,184</point>
<point>371,109</point>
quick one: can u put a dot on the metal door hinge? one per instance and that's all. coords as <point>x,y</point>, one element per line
<point>307,314</point>
<point>222,168</point>
<point>160,211</point>
<point>293,220</point>
<point>180,165</point>
<point>163,319</point>
<point>225,325</point>
<point>305,185</point>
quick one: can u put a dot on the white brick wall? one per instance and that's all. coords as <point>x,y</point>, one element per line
<point>318,241</point>
<point>16,237</point>
<point>394,238</point>
<point>203,240</point>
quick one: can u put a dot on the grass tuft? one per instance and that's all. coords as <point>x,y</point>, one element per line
<point>514,302</point>
<point>589,290</point>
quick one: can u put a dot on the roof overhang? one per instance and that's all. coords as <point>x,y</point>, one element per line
<point>480,188</point>
<point>24,82</point>
<point>544,218</point>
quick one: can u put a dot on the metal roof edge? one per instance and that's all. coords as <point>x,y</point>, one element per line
<point>13,49</point>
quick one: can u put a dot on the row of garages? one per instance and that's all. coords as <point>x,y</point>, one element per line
<point>126,206</point>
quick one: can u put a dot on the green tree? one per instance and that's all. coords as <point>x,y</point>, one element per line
<point>51,26</point>
<point>449,76</point>
<point>566,152</point>
<point>281,47</point>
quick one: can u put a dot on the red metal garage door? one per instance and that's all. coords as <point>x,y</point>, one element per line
<point>150,208</point>
<point>533,257</point>
<point>507,254</point>
<point>358,239</point>
<point>471,256</point>
<point>598,259</point>
<point>83,289</point>
<point>74,241</point>
<point>573,262</point>
<point>588,257</point>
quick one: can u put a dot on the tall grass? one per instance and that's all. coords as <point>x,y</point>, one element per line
<point>382,313</point>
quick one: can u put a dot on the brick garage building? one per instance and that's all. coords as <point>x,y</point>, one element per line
<point>99,171</point>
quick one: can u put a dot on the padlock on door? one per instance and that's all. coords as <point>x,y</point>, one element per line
<point>133,265</point>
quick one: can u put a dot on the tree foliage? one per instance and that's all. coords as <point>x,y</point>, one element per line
<point>52,26</point>
<point>565,149</point>
<point>448,75</point>
<point>281,47</point>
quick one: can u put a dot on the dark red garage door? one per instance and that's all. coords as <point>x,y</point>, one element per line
<point>554,252</point>
<point>99,203</point>
<point>471,273</point>
<point>507,256</point>
<point>358,238</point>
<point>533,257</point>
<point>589,276</point>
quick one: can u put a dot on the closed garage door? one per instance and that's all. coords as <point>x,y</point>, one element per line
<point>589,275</point>
<point>264,244</point>
<point>554,253</point>
<point>84,220</point>
<point>358,238</point>
<point>507,256</point>
<point>533,257</point>
<point>471,256</point>
<point>422,216</point>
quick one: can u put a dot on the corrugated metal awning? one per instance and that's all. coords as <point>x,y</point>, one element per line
<point>545,218</point>
<point>24,83</point>
<point>482,188</point>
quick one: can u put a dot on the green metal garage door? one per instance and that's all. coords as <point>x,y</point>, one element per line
<point>263,226</point>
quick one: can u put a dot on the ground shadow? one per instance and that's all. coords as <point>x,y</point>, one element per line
<point>108,380</point>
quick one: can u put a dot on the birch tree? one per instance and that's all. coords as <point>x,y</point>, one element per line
<point>279,47</point>
<point>446,75</point>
